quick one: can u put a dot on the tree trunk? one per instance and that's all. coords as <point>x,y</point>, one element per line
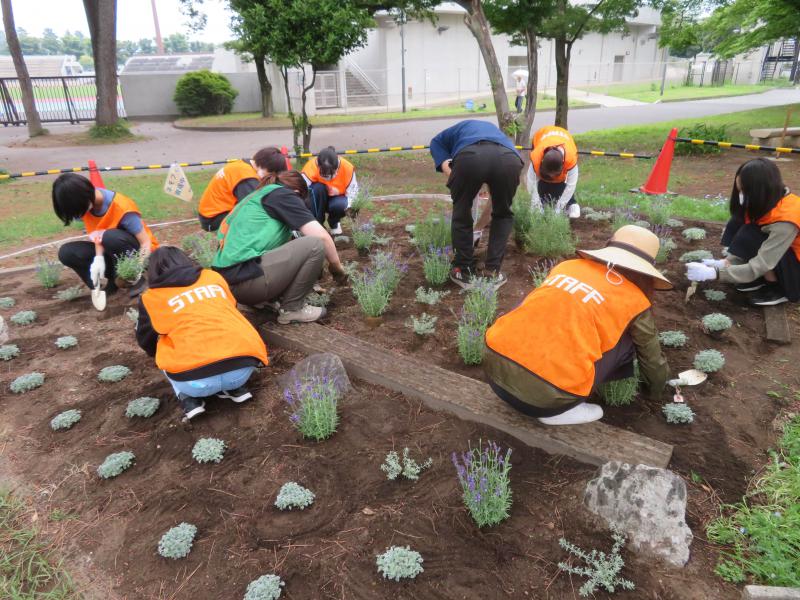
<point>265,86</point>
<point>28,103</point>
<point>292,116</point>
<point>102,18</point>
<point>477,23</point>
<point>563,51</point>
<point>523,136</point>
<point>306,124</point>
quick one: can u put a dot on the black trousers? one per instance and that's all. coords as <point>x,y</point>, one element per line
<point>321,204</point>
<point>213,223</point>
<point>78,256</point>
<point>478,164</point>
<point>549,192</point>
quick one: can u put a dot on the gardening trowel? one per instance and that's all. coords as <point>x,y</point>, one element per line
<point>98,295</point>
<point>690,377</point>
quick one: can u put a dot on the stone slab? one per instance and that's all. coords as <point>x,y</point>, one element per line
<point>763,592</point>
<point>777,324</point>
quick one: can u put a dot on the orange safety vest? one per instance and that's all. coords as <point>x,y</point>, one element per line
<point>566,324</point>
<point>120,206</point>
<point>786,211</point>
<point>199,325</point>
<point>219,197</point>
<point>550,137</point>
<point>341,179</point>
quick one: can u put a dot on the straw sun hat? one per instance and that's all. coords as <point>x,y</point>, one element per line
<point>633,248</point>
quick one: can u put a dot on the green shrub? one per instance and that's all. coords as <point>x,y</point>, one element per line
<point>48,272</point>
<point>429,296</point>
<point>363,236</point>
<point>480,305</point>
<point>470,341</point>
<point>118,131</point>
<point>620,392</point>
<point>701,131</point>
<point>318,299</point>
<point>714,295</point>
<point>659,211</point>
<point>549,235</point>
<point>717,322</point>
<point>394,467</point>
<point>433,231</point>
<point>204,93</point>
<point>425,324</point>
<point>70,293</point>
<point>601,570</point>
<point>694,234</point>
<point>130,266</point>
<point>436,265</point>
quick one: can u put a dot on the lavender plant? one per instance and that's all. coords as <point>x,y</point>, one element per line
<point>70,293</point>
<point>363,236</point>
<point>425,324</point>
<point>9,351</point>
<point>142,407</point>
<point>394,467</point>
<point>65,420</point>
<point>677,413</point>
<point>470,341</point>
<point>27,382</point>
<point>714,295</point>
<point>363,199</point>
<point>672,339</point>
<point>436,265</point>
<point>709,361</point>
<point>694,234</point>
<point>480,305</point>
<point>666,243</point>
<point>208,450</point>
<point>549,234</point>
<point>266,587</point>
<point>541,270</point>
<point>390,270</point>
<point>130,266</point>
<point>433,231</point>
<point>659,212</point>
<point>66,341</point>
<point>484,477</point>
<point>717,322</point>
<point>695,256</point>
<point>602,570</point>
<point>370,291</point>
<point>177,541</point>
<point>202,247</point>
<point>113,374</point>
<point>313,405</point>
<point>350,268</point>
<point>7,302</point>
<point>318,299</point>
<point>381,219</point>
<point>23,317</point>
<point>429,296</point>
<point>115,464</point>
<point>293,495</point>
<point>48,272</point>
<point>622,218</point>
<point>620,392</point>
<point>399,562</point>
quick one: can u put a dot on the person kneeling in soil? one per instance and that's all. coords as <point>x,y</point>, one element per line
<point>553,172</point>
<point>762,238</point>
<point>260,261</point>
<point>234,182</point>
<point>583,326</point>
<point>332,187</point>
<point>189,322</point>
<point>113,222</point>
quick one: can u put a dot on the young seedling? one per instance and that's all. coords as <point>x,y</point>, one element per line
<point>293,495</point>
<point>717,323</point>
<point>23,317</point>
<point>433,232</point>
<point>549,235</point>
<point>113,374</point>
<point>65,420</point>
<point>666,243</point>
<point>620,392</point>
<point>314,407</point>
<point>381,219</point>
<point>48,272</point>
<point>470,340</point>
<point>484,477</point>
<point>208,450</point>
<point>202,247</point>
<point>642,223</point>
<point>480,305</point>
<point>363,236</point>
<point>389,268</point>
<point>7,302</point>
<point>541,270</point>
<point>130,266</point>
<point>143,407</point>
<point>115,464</point>
<point>674,223</point>
<point>714,295</point>
<point>399,562</point>
<point>599,215</point>
<point>266,587</point>
<point>341,239</point>
<point>622,218</point>
<point>601,570</point>
<point>318,299</point>
<point>695,256</point>
<point>9,351</point>
<point>363,200</point>
<point>659,212</point>
<point>709,361</point>
<point>672,339</point>
<point>27,382</point>
<point>436,265</point>
<point>408,467</point>
<point>370,291</point>
<point>66,341</point>
<point>177,542</point>
<point>69,294</point>
<point>677,413</point>
<point>694,234</point>
<point>423,325</point>
<point>429,296</point>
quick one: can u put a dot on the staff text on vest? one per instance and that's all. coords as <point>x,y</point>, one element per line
<point>572,285</point>
<point>202,292</point>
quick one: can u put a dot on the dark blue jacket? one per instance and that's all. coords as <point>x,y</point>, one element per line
<point>454,139</point>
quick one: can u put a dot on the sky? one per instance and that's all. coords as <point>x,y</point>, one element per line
<point>134,18</point>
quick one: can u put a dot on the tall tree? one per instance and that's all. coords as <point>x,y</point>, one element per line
<point>28,103</point>
<point>102,18</point>
<point>176,43</point>
<point>250,24</point>
<point>147,46</point>
<point>51,43</point>
<point>75,44</point>
<point>681,28</point>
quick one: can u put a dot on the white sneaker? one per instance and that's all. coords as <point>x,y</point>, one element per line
<point>336,230</point>
<point>574,211</point>
<point>307,314</point>
<point>583,413</point>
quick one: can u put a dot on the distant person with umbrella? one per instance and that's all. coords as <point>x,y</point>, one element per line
<point>521,86</point>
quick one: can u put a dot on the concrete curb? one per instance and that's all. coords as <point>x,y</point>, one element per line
<point>763,592</point>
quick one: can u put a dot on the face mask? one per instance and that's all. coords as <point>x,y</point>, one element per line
<point>741,198</point>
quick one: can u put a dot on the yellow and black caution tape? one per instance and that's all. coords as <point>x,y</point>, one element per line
<point>778,149</point>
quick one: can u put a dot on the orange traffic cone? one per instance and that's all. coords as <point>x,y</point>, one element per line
<point>94,175</point>
<point>659,176</point>
<point>285,152</point>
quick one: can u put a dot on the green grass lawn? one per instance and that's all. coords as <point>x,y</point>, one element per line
<point>651,92</point>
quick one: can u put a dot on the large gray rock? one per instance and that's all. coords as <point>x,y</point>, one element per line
<point>318,366</point>
<point>647,504</point>
<point>3,331</point>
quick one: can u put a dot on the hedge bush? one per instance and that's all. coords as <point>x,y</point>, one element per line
<point>204,93</point>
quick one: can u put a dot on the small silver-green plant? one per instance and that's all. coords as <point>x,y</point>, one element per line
<point>694,234</point>
<point>642,223</point>
<point>714,295</point>
<point>48,272</point>
<point>602,215</point>
<point>400,562</point>
<point>363,236</point>
<point>27,382</point>
<point>695,256</point>
<point>133,314</point>
<point>380,219</point>
<point>470,341</point>
<point>130,266</point>
<point>620,392</point>
<point>672,339</point>
<point>293,495</point>
<point>341,239</point>
<point>483,473</point>
<point>318,299</point>
<point>709,361</point>
<point>436,265</point>
<point>202,247</point>
<point>65,420</point>
<point>7,302</point>
<point>382,240</point>
<point>177,541</point>
<point>9,351</point>
<point>266,587</point>
<point>142,407</point>
<point>70,293</point>
<point>717,322</point>
<point>425,324</point>
<point>208,450</point>
<point>429,296</point>
<point>674,223</point>
<point>66,341</point>
<point>601,570</point>
<point>394,467</point>
<point>114,464</point>
<point>541,270</point>
<point>350,268</point>
<point>677,413</point>
<point>314,406</point>
<point>23,317</point>
<point>113,374</point>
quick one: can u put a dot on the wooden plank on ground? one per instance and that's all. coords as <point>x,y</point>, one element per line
<point>777,324</point>
<point>469,399</point>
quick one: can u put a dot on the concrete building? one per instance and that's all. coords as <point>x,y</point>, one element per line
<point>43,66</point>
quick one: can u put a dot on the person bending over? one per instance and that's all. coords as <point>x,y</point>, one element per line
<point>762,238</point>
<point>332,187</point>
<point>553,172</point>
<point>234,181</point>
<point>260,261</point>
<point>188,321</point>
<point>582,327</point>
<point>113,222</point>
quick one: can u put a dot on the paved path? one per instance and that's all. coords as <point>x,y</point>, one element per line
<point>600,99</point>
<point>167,144</point>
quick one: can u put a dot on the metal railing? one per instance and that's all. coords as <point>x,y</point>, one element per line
<point>58,99</point>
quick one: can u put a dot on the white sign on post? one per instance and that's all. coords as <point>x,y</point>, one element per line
<point>177,185</point>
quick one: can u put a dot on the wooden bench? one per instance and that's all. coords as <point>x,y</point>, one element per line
<point>469,399</point>
<point>774,137</point>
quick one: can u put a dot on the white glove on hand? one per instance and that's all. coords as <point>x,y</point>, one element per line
<point>97,270</point>
<point>700,272</point>
<point>713,262</point>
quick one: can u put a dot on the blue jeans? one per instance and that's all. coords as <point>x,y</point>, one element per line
<point>321,203</point>
<point>202,388</point>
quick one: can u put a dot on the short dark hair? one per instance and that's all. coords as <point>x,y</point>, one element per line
<point>270,159</point>
<point>73,195</point>
<point>552,163</point>
<point>762,186</point>
<point>166,258</point>
<point>328,161</point>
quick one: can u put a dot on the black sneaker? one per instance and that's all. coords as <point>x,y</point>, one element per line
<point>461,278</point>
<point>240,394</point>
<point>769,296</point>
<point>191,407</point>
<point>752,286</point>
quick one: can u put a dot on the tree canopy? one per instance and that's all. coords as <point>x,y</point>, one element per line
<point>744,25</point>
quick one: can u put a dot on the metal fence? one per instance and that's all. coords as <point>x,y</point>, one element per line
<point>70,99</point>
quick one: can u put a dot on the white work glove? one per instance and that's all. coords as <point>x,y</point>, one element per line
<point>699,272</point>
<point>713,262</point>
<point>97,270</point>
